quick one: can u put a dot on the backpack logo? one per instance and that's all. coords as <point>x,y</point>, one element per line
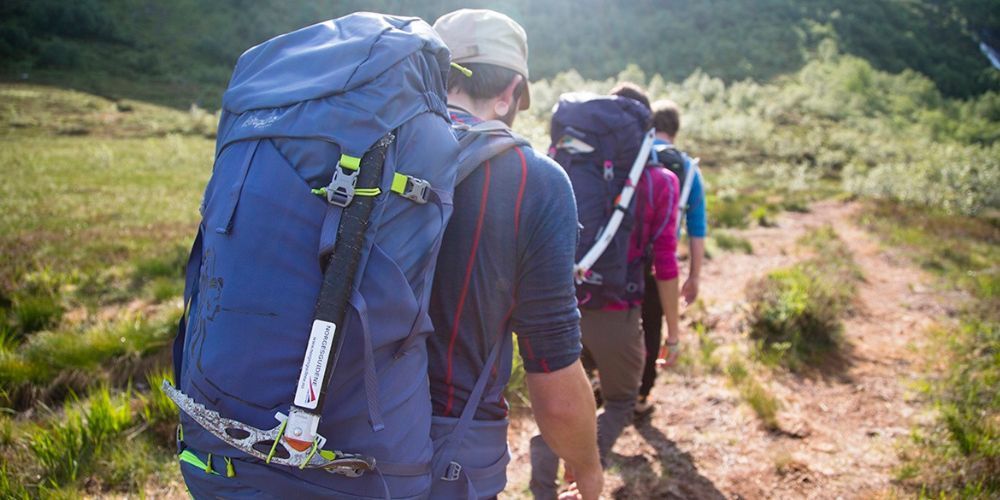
<point>314,364</point>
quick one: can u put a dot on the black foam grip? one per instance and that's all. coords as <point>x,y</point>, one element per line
<point>342,266</point>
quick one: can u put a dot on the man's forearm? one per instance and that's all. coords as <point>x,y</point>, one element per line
<point>696,250</point>
<point>563,405</point>
<point>669,297</point>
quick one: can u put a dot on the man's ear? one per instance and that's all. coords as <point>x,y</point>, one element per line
<point>507,96</point>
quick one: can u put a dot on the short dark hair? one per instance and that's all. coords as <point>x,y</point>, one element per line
<point>666,117</point>
<point>632,91</point>
<point>487,81</point>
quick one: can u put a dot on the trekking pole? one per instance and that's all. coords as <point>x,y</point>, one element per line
<point>295,441</point>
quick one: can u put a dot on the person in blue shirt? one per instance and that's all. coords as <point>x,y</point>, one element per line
<point>506,265</point>
<point>667,122</point>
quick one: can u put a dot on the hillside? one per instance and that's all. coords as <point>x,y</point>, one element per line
<point>180,53</point>
<point>854,208</point>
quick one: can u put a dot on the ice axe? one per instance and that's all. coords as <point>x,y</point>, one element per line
<point>294,441</point>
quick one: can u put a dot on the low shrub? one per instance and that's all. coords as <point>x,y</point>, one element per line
<point>796,312</point>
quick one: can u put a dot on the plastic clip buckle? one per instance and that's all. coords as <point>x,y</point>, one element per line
<point>453,472</point>
<point>609,171</point>
<point>593,278</point>
<point>416,190</point>
<point>340,192</point>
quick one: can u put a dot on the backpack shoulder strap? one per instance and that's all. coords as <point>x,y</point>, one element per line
<point>691,170</point>
<point>482,142</point>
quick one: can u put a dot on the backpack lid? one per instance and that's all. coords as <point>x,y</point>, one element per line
<point>613,126</point>
<point>328,58</point>
<point>348,81</point>
<point>600,114</point>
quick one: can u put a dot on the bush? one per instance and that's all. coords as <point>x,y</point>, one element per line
<point>796,312</point>
<point>959,179</point>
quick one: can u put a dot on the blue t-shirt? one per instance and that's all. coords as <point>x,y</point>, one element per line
<point>506,265</point>
<point>696,224</point>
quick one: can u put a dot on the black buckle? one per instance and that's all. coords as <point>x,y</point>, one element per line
<point>416,190</point>
<point>453,472</point>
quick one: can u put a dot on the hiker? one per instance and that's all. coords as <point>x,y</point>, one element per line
<point>603,142</point>
<point>667,122</point>
<point>505,266</point>
<point>301,360</point>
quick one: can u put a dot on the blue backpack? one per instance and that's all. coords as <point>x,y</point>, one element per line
<point>597,140</point>
<point>302,348</point>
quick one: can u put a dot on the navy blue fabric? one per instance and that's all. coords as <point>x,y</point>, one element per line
<point>265,236</point>
<point>296,85</point>
<point>520,279</point>
<point>614,126</point>
<point>478,448</point>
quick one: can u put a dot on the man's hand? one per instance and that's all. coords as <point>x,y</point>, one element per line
<point>587,485</point>
<point>668,355</point>
<point>690,290</point>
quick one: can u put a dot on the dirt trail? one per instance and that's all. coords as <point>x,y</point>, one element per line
<point>841,425</point>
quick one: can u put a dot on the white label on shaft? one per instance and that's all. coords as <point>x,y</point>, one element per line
<point>314,365</point>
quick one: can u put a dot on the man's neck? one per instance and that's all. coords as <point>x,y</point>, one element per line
<point>665,137</point>
<point>479,109</point>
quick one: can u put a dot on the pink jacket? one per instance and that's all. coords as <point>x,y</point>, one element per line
<point>656,198</point>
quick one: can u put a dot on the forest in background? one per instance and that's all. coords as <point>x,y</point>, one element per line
<point>183,51</point>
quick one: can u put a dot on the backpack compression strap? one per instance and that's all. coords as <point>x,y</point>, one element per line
<point>582,269</point>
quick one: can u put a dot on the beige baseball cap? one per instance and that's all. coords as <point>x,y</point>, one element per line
<point>488,37</point>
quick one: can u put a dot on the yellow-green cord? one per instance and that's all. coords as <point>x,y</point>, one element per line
<point>312,452</point>
<point>462,69</point>
<point>274,445</point>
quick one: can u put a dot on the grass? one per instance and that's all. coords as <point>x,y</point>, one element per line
<point>796,312</point>
<point>127,193</point>
<point>754,393</point>
<point>31,313</point>
<point>33,110</point>
<point>731,243</point>
<point>70,447</point>
<point>958,454</point>
<point>48,356</point>
<point>98,441</point>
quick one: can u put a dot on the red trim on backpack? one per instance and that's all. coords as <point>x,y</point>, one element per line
<point>465,288</point>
